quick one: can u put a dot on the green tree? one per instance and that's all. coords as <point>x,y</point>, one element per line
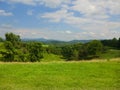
<point>53,49</point>
<point>114,42</point>
<point>35,51</point>
<point>1,39</point>
<point>13,38</point>
<point>10,51</point>
<point>118,43</point>
<point>95,48</point>
<point>75,55</point>
<point>11,44</point>
<point>69,53</point>
<point>83,52</point>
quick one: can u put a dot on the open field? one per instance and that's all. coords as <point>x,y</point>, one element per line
<point>112,53</point>
<point>60,76</point>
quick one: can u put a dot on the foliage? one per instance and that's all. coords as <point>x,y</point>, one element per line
<point>83,51</point>
<point>95,48</point>
<point>11,43</point>
<point>13,49</point>
<point>67,52</point>
<point>13,38</point>
<point>9,53</point>
<point>1,39</point>
<point>53,49</point>
<point>35,50</point>
<point>113,43</point>
<point>118,46</point>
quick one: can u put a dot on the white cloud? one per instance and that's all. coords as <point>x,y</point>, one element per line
<point>92,18</point>
<point>90,8</point>
<point>51,3</point>
<point>4,13</point>
<point>57,16</point>
<point>39,33</point>
<point>47,3</point>
<point>7,26</point>
<point>54,3</point>
<point>111,6</point>
<point>95,17</point>
<point>59,35</point>
<point>68,32</point>
<point>83,6</point>
<point>27,2</point>
<point>97,8</point>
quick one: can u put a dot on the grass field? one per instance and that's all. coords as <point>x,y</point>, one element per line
<point>51,58</point>
<point>94,75</point>
<point>112,53</point>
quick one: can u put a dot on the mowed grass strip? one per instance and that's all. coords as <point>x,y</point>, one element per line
<point>60,76</point>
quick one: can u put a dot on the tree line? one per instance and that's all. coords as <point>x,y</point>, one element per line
<point>17,50</point>
<point>113,43</point>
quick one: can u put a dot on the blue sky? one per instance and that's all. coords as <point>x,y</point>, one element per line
<point>61,19</point>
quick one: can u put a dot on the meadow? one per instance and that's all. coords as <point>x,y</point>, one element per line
<point>60,75</point>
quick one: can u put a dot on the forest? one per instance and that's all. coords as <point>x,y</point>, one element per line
<point>14,49</point>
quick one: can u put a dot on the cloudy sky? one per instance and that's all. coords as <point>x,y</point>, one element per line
<point>61,19</point>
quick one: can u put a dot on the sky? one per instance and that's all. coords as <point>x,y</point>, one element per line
<point>61,19</point>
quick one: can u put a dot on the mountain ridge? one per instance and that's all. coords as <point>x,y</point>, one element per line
<point>55,41</point>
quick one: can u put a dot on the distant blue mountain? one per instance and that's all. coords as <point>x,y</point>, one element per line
<point>51,41</point>
<point>34,39</point>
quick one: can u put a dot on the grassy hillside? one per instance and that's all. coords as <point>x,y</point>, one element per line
<point>51,57</point>
<point>112,53</point>
<point>60,76</point>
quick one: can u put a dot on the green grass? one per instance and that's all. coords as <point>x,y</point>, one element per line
<point>112,53</point>
<point>60,76</point>
<point>51,57</point>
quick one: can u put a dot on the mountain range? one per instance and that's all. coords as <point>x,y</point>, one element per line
<point>51,41</point>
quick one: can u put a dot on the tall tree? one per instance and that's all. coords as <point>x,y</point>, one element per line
<point>11,43</point>
<point>10,51</point>
<point>83,52</point>
<point>95,47</point>
<point>69,53</point>
<point>118,43</point>
<point>114,42</point>
<point>13,38</point>
<point>35,50</point>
